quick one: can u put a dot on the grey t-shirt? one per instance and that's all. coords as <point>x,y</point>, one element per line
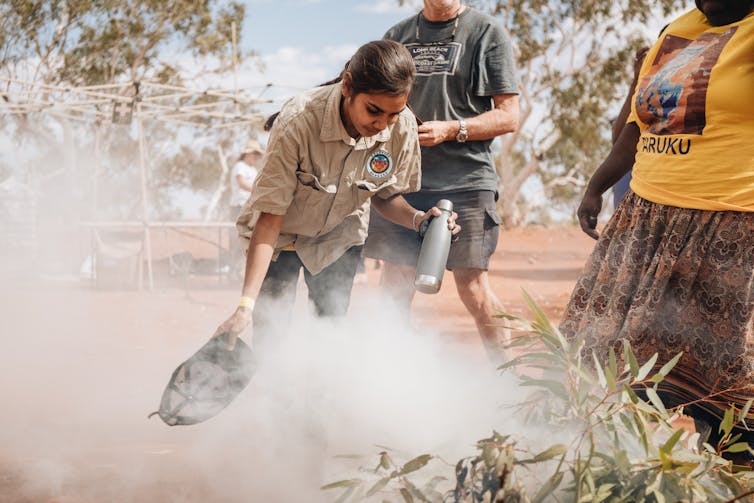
<point>456,79</point>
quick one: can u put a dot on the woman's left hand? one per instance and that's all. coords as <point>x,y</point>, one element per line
<point>588,211</point>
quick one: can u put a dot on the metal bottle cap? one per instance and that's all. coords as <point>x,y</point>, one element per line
<point>445,204</point>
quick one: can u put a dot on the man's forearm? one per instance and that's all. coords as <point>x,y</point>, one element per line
<point>500,120</point>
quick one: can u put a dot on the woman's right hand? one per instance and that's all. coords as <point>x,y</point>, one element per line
<point>235,325</point>
<point>588,211</point>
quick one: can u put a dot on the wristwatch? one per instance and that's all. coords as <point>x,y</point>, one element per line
<point>462,134</point>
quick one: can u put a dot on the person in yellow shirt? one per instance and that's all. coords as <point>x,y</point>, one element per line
<point>333,153</point>
<point>673,269</point>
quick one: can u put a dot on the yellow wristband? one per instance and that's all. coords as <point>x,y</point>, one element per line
<point>246,302</point>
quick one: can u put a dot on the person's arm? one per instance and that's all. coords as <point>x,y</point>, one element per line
<point>617,164</point>
<point>258,257</point>
<point>503,118</point>
<point>620,121</point>
<point>397,210</point>
<point>241,181</point>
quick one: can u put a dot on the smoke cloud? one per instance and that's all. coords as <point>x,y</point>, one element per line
<point>83,367</point>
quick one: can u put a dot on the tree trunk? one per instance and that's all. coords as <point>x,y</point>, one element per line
<point>222,185</point>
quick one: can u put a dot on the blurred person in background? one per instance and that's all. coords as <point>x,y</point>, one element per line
<point>673,270</point>
<point>334,152</point>
<point>242,176</point>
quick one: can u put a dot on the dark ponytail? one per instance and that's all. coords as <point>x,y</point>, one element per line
<point>380,66</point>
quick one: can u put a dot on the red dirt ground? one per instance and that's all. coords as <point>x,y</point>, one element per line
<point>82,367</point>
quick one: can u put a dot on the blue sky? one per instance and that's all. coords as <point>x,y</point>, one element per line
<point>316,24</point>
<point>302,43</point>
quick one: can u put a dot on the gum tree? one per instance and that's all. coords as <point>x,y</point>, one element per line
<point>73,43</point>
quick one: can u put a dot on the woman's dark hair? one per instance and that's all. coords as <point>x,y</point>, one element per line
<point>380,66</point>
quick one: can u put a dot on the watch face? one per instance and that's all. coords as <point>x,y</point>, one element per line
<point>462,133</point>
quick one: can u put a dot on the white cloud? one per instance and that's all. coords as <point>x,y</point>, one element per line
<point>275,76</point>
<point>293,69</point>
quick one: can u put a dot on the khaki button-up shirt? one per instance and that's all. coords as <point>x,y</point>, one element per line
<point>321,179</point>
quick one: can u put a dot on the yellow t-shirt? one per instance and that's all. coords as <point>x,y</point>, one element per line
<point>694,105</point>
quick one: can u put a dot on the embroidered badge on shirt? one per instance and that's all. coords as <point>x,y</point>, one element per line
<point>379,164</point>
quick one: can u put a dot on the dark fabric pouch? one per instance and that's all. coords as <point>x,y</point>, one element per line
<point>207,382</point>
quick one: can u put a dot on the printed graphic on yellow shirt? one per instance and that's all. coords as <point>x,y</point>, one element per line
<point>379,164</point>
<point>673,93</point>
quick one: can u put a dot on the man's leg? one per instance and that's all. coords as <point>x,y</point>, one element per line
<point>397,288</point>
<point>474,290</point>
<point>398,248</point>
<point>469,260</point>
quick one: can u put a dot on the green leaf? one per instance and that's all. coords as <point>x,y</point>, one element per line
<point>598,368</point>
<point>627,423</point>
<point>642,429</point>
<point>415,464</point>
<point>657,402</point>
<point>489,455</point>
<point>555,450</point>
<point>548,488</point>
<point>630,359</point>
<point>610,376</point>
<point>731,482</point>
<point>556,387</point>
<point>342,483</point>
<point>654,486</point>
<point>745,411</point>
<point>346,494</point>
<point>667,447</point>
<point>385,462</point>
<point>646,368</point>
<point>633,398</point>
<point>434,481</point>
<point>612,362</point>
<point>603,492</point>
<point>539,315</point>
<point>378,486</point>
<point>415,492</point>
<point>726,425</point>
<point>406,495</point>
<point>665,370</point>
<point>514,362</point>
<point>738,447</point>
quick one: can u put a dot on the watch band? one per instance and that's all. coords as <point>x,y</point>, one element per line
<point>463,133</point>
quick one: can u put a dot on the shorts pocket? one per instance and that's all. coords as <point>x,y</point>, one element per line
<point>492,218</point>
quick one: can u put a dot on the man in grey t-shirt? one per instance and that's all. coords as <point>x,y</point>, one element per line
<point>466,95</point>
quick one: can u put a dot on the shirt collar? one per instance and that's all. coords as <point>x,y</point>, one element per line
<point>334,130</point>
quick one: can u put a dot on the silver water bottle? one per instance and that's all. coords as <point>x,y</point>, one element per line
<point>433,255</point>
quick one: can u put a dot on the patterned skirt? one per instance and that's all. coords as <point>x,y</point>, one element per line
<point>671,280</point>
